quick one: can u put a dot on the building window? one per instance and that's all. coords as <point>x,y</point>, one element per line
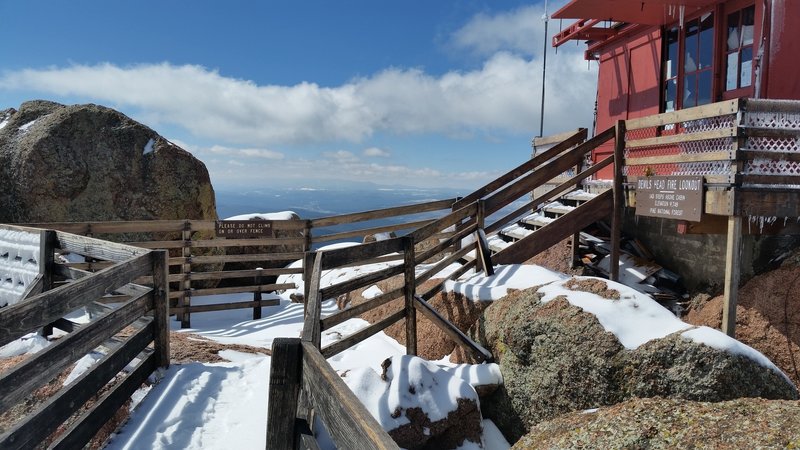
<point>739,49</point>
<point>688,64</point>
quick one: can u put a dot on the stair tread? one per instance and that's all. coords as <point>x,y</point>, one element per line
<point>496,243</point>
<point>516,231</point>
<point>537,219</point>
<point>579,195</point>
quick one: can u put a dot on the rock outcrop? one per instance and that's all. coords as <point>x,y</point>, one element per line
<point>89,162</point>
<point>671,423</point>
<point>557,358</point>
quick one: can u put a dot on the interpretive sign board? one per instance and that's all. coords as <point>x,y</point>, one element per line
<point>671,197</point>
<point>240,229</point>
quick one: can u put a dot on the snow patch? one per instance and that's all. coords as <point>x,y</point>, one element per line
<point>83,365</point>
<point>479,287</point>
<point>281,215</point>
<point>371,292</point>
<point>4,123</point>
<point>28,344</point>
<point>27,126</point>
<point>148,148</point>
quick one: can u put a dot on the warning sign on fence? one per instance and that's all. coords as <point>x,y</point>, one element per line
<point>241,229</point>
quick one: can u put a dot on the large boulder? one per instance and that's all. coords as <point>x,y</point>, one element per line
<point>89,162</point>
<point>671,423</point>
<point>557,357</point>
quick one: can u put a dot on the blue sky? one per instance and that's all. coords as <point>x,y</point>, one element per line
<point>269,93</point>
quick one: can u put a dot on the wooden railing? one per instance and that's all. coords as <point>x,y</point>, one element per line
<point>198,259</point>
<point>301,380</point>
<point>75,409</point>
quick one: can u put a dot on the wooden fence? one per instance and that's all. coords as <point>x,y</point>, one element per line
<point>301,382</point>
<point>198,259</point>
<point>75,410</point>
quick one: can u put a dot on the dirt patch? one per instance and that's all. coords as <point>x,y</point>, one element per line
<point>598,287</point>
<point>189,347</point>
<point>767,316</point>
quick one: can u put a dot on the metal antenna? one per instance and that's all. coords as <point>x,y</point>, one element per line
<point>546,19</point>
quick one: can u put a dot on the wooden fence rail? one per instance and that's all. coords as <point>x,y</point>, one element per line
<point>145,311</point>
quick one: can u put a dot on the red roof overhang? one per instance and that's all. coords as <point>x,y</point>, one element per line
<point>645,12</point>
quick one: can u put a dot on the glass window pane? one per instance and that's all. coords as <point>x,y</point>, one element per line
<point>671,67</point>
<point>732,71</point>
<point>689,91</point>
<point>670,95</point>
<point>748,18</point>
<point>706,41</point>
<point>704,87</point>
<point>733,31</point>
<point>747,67</point>
<point>691,56</point>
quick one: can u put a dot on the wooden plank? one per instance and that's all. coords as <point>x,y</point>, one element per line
<point>747,154</point>
<point>223,275</point>
<point>526,167</point>
<point>114,227</point>
<point>445,243</point>
<point>96,248</point>
<point>548,196</point>
<point>370,231</point>
<point>776,133</point>
<point>709,179</point>
<point>382,213</point>
<point>768,203</point>
<point>347,420</point>
<point>445,222</point>
<point>549,235</point>
<point>311,325</point>
<point>160,307</point>
<point>719,202</point>
<point>41,367</point>
<point>40,423</point>
<point>348,255</point>
<point>234,290</point>
<point>286,256</point>
<point>21,318</point>
<point>456,335</point>
<point>484,254</point>
<point>724,108</point>
<point>364,333</point>
<point>90,421</point>
<point>357,310</point>
<point>222,243</point>
<point>556,138</point>
<point>683,137</point>
<point>409,291</point>
<point>771,105</point>
<point>726,155</point>
<point>444,263</point>
<point>771,179</point>
<point>352,284</point>
<point>619,201</point>
<point>733,255</point>
<point>544,173</point>
<point>227,306</point>
<point>285,375</point>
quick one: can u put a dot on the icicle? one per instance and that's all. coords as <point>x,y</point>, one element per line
<point>749,221</point>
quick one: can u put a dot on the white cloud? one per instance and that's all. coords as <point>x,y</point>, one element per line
<point>501,96</point>
<point>340,155</point>
<point>519,31</point>
<point>247,152</point>
<point>376,152</point>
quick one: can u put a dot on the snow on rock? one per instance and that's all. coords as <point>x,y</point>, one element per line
<point>635,318</point>
<point>371,292</point>
<point>24,128</point>
<point>721,341</point>
<point>479,287</point>
<point>417,401</point>
<point>477,375</point>
<point>148,148</point>
<point>83,365</point>
<point>19,265</point>
<point>281,215</point>
<point>30,344</point>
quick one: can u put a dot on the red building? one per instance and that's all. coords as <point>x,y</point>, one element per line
<point>661,55</point>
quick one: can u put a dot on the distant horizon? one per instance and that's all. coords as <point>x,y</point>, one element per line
<point>415,93</point>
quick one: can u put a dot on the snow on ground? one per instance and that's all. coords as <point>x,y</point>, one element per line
<point>282,215</point>
<point>224,405</point>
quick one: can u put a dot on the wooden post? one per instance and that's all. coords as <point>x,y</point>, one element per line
<point>308,267</point>
<point>733,252</point>
<point>575,256</point>
<point>186,269</point>
<point>47,240</point>
<point>409,290</point>
<point>161,306</point>
<point>257,297</point>
<point>619,199</point>
<point>284,390</point>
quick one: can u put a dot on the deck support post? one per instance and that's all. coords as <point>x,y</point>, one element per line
<point>619,200</point>
<point>409,290</point>
<point>733,254</point>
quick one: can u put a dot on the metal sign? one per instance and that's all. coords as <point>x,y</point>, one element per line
<point>241,229</point>
<point>676,197</point>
